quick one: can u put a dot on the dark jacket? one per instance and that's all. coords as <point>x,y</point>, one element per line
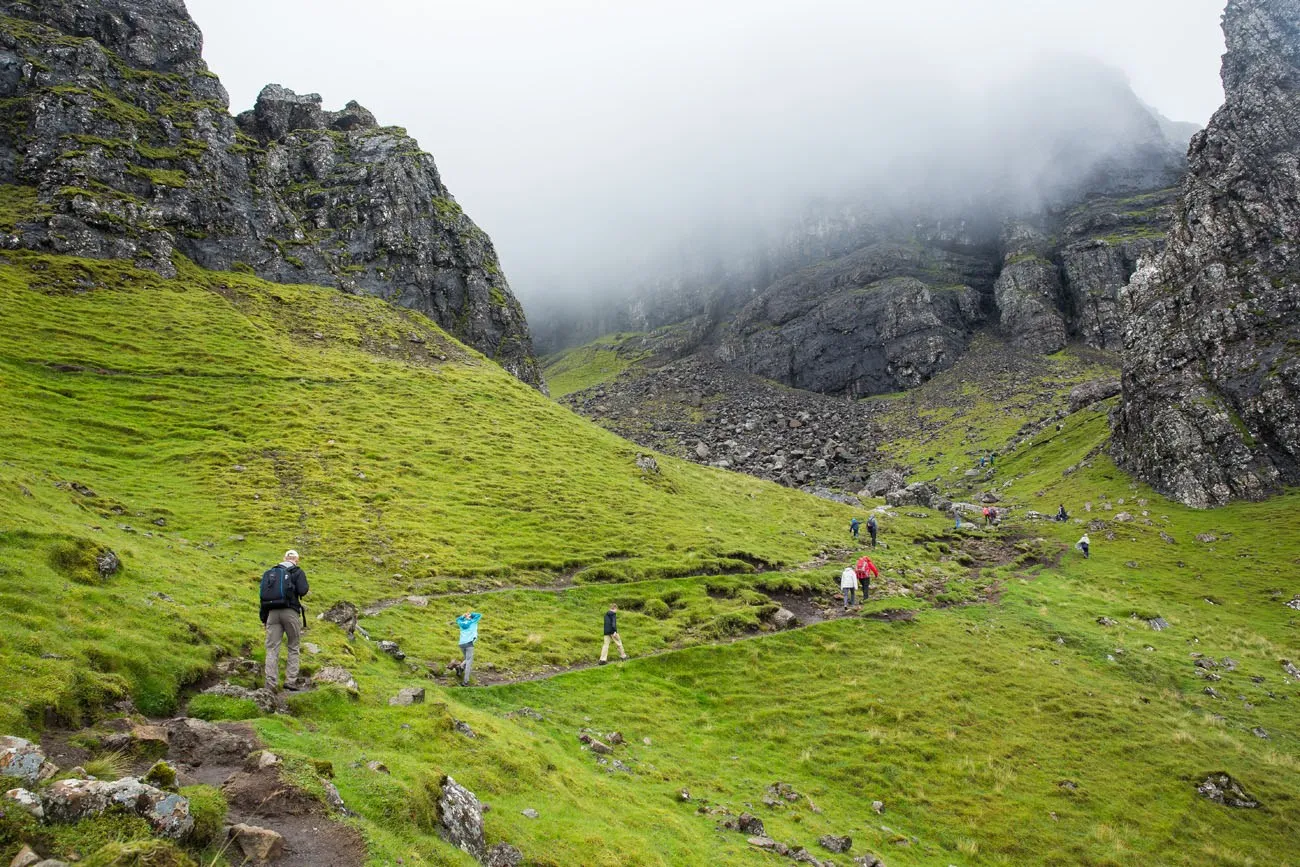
<point>300,589</point>
<point>611,622</point>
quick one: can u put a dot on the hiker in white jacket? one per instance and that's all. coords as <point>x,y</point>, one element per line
<point>848,584</point>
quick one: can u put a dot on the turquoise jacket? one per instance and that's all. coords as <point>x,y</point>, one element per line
<point>468,627</point>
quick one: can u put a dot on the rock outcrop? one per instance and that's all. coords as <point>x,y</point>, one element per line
<point>119,143</point>
<point>1211,406</point>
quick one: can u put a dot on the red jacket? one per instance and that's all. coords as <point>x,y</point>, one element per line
<point>865,567</point>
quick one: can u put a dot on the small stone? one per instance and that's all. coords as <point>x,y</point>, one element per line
<point>27,801</point>
<point>332,796</point>
<point>530,813</point>
<point>878,806</point>
<point>26,857</point>
<point>600,747</point>
<point>463,728</point>
<point>378,767</point>
<point>1259,732</point>
<point>260,845</point>
<point>684,795</point>
<point>408,696</point>
<point>392,649</point>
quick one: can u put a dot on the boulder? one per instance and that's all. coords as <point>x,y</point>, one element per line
<point>1221,788</point>
<point>72,800</point>
<point>785,619</point>
<point>408,696</point>
<point>333,674</point>
<point>24,760</point>
<point>503,855</point>
<point>197,741</point>
<point>266,700</point>
<point>26,857</point>
<point>259,845</point>
<point>343,614</point>
<point>27,801</point>
<point>460,818</point>
<point>333,798</point>
<point>107,564</point>
<point>750,825</point>
<point>392,649</point>
<point>882,482</point>
<point>832,843</point>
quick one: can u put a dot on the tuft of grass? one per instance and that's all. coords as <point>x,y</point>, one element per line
<point>109,766</point>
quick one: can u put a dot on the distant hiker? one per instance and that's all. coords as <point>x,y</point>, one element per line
<point>872,528</point>
<point>956,514</point>
<point>611,631</point>
<point>981,462</point>
<point>1082,545</point>
<point>993,515</point>
<point>988,518</point>
<point>282,586</point>
<point>468,623</point>
<point>865,570</point>
<point>990,460</point>
<point>1060,514</point>
<point>854,526</point>
<point>848,585</point>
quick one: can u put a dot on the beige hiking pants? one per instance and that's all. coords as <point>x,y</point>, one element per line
<point>282,623</point>
<point>604,650</point>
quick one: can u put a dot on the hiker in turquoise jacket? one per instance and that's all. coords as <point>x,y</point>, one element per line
<point>468,623</point>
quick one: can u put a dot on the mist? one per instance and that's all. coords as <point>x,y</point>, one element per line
<point>599,143</point>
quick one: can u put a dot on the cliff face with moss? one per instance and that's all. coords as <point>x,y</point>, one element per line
<point>116,141</point>
<point>1211,408</point>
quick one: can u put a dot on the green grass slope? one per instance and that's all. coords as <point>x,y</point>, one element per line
<point>198,426</point>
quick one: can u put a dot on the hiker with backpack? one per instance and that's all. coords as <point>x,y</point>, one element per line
<point>1061,515</point>
<point>282,588</point>
<point>854,526</point>
<point>872,528</point>
<point>468,624</point>
<point>865,571</point>
<point>1083,545</point>
<point>611,631</point>
<point>848,586</point>
<point>988,519</point>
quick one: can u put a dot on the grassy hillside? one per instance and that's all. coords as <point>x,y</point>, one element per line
<point>592,363</point>
<point>199,426</point>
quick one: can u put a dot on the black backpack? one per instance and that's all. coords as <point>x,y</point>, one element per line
<point>278,590</point>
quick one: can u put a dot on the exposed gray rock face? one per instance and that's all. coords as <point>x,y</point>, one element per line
<point>864,324</point>
<point>125,145</point>
<point>1211,408</point>
<point>460,818</point>
<point>1028,291</point>
<point>24,760</point>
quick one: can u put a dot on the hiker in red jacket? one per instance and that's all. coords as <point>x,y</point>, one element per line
<point>866,569</point>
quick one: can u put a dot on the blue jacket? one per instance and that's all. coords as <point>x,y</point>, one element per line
<point>468,627</point>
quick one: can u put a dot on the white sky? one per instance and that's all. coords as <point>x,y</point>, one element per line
<point>571,130</point>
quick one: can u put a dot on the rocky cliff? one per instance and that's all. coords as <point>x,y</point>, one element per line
<point>1211,406</point>
<point>117,142</point>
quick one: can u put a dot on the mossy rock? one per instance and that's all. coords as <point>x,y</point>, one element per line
<point>208,809</point>
<point>161,775</point>
<point>84,561</point>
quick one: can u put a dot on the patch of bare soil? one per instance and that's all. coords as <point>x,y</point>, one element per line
<point>217,755</point>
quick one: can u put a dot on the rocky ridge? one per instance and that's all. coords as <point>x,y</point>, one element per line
<point>117,142</point>
<point>1211,380</point>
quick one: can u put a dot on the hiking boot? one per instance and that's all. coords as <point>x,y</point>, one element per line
<point>603,662</point>
<point>294,686</point>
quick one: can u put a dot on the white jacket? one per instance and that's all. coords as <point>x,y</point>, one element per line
<point>848,579</point>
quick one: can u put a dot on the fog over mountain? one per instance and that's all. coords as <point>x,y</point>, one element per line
<point>603,144</point>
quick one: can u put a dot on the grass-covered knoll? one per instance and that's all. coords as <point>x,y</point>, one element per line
<point>199,426</point>
<point>591,364</point>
